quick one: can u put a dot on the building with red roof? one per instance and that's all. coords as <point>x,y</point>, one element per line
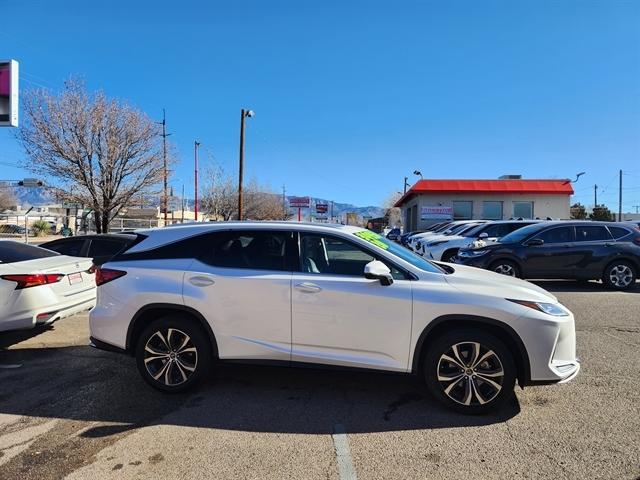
<point>510,196</point>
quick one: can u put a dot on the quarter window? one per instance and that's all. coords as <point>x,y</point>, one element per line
<point>590,233</point>
<point>618,232</point>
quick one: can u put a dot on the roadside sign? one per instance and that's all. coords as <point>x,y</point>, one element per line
<point>436,213</point>
<point>8,93</point>
<point>322,207</point>
<point>299,202</point>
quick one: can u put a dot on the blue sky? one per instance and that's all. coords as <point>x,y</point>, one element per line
<point>351,96</point>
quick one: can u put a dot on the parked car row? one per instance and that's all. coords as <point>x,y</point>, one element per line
<point>537,249</point>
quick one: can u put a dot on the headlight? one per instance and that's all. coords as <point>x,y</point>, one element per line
<point>472,253</point>
<point>554,309</point>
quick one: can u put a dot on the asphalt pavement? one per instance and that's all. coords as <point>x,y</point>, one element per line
<point>70,411</point>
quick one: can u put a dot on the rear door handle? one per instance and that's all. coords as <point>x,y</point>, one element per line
<point>308,287</point>
<point>201,281</point>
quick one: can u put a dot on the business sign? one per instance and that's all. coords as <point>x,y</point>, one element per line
<point>322,207</point>
<point>8,93</point>
<point>436,213</point>
<point>299,202</point>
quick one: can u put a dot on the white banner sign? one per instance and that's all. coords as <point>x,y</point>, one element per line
<point>436,213</point>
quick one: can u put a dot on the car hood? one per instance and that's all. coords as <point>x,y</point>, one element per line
<point>477,280</point>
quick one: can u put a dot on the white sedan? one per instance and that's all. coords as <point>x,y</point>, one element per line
<point>181,298</point>
<point>38,286</point>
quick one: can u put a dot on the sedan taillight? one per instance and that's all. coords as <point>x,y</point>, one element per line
<point>104,275</point>
<point>33,279</point>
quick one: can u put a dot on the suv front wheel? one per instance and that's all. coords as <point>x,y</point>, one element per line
<point>470,371</point>
<point>173,353</point>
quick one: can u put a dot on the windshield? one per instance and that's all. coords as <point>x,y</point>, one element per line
<point>398,251</point>
<point>518,235</point>
<point>456,228</point>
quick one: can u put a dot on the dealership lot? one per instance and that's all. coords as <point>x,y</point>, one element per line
<point>69,410</point>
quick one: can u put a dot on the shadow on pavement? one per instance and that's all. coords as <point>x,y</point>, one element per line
<point>575,286</point>
<point>80,383</point>
<point>10,338</point>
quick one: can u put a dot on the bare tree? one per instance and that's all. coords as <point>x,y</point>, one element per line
<point>393,214</point>
<point>99,152</point>
<point>220,198</point>
<point>7,199</point>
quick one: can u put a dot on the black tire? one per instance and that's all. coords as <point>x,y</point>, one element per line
<point>167,337</point>
<point>505,266</point>
<point>468,387</point>
<point>619,275</point>
<point>449,255</point>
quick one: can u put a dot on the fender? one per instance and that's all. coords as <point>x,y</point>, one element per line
<point>521,355</point>
<point>167,307</point>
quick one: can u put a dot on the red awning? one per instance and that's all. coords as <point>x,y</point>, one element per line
<point>540,187</point>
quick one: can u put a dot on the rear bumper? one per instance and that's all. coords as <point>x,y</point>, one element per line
<point>107,347</point>
<point>48,314</point>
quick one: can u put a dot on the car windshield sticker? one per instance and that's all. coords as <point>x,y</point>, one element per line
<point>372,237</point>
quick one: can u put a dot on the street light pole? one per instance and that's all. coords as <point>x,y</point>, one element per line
<point>196,144</point>
<point>243,114</point>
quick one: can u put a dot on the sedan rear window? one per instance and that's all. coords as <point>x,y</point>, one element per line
<point>12,252</point>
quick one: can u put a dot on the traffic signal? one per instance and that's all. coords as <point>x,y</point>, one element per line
<point>8,93</point>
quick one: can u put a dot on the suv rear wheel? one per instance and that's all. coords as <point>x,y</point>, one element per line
<point>470,371</point>
<point>173,353</point>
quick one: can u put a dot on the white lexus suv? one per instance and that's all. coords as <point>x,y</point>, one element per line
<point>181,298</point>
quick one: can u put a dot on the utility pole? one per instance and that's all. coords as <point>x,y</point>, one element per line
<point>636,207</point>
<point>595,195</point>
<point>331,211</point>
<point>196,144</point>
<point>620,199</point>
<point>284,204</point>
<point>405,184</point>
<point>243,114</point>
<point>182,218</point>
<point>164,168</point>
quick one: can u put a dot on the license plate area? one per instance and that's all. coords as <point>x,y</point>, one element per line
<point>75,278</point>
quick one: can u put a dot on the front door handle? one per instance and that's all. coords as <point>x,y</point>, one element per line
<point>308,287</point>
<point>201,281</point>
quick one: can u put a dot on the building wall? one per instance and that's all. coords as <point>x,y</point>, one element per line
<point>554,206</point>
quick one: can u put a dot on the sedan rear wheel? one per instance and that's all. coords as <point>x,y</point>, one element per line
<point>619,275</point>
<point>470,371</point>
<point>173,353</point>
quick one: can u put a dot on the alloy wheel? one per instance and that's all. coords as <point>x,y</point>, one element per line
<point>621,276</point>
<point>505,269</point>
<point>470,373</point>
<point>170,357</point>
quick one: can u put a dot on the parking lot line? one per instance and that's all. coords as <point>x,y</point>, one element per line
<point>343,454</point>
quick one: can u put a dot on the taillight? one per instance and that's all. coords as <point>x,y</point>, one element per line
<point>104,275</point>
<point>33,279</point>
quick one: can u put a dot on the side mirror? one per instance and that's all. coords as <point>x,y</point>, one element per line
<point>376,270</point>
<point>534,242</point>
<point>483,235</point>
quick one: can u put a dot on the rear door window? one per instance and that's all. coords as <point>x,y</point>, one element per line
<point>252,250</point>
<point>592,233</point>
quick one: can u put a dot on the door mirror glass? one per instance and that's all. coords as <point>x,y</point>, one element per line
<point>376,270</point>
<point>483,235</point>
<point>535,242</point>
